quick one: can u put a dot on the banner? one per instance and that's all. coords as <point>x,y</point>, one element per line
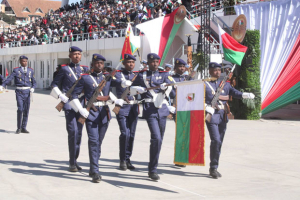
<point>190,130</point>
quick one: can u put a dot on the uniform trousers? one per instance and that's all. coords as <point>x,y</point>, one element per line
<point>157,126</point>
<point>23,103</point>
<point>216,133</point>
<point>74,129</point>
<point>127,125</point>
<point>96,132</point>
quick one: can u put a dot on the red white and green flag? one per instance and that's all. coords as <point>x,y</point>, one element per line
<point>131,43</point>
<point>190,131</point>
<point>161,32</point>
<point>233,51</point>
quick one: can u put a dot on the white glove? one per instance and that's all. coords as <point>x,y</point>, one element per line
<point>119,102</point>
<point>1,88</point>
<point>32,90</point>
<point>172,109</point>
<point>126,83</point>
<point>163,86</point>
<point>247,95</point>
<point>134,90</point>
<point>210,110</point>
<point>64,98</point>
<point>84,112</point>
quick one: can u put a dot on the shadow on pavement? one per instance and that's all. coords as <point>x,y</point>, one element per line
<point>62,172</point>
<point>6,131</point>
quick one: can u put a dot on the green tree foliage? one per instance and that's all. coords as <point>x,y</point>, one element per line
<point>8,19</point>
<point>248,79</point>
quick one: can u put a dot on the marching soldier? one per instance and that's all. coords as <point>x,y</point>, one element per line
<point>168,68</point>
<point>217,126</point>
<point>67,76</point>
<point>96,120</point>
<point>155,107</point>
<point>129,112</point>
<point>25,82</point>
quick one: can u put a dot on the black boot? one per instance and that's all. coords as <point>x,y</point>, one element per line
<point>123,165</point>
<point>213,173</point>
<point>24,130</point>
<point>153,175</point>
<point>18,131</point>
<point>78,167</point>
<point>129,165</point>
<point>180,165</point>
<point>96,178</point>
<point>73,168</point>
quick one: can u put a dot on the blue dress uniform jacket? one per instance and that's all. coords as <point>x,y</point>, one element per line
<point>156,117</point>
<point>127,117</point>
<point>97,121</point>
<point>217,126</point>
<point>66,78</point>
<point>22,79</point>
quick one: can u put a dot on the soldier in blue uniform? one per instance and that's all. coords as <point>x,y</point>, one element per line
<point>217,126</point>
<point>128,115</point>
<point>155,106</point>
<point>96,121</point>
<point>67,76</point>
<point>25,82</point>
<point>1,79</point>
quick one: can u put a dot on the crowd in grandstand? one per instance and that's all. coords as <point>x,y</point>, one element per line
<point>94,19</point>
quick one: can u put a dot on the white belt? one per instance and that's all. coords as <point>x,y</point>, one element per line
<point>81,95</point>
<point>151,101</point>
<point>131,102</point>
<point>100,103</point>
<point>172,100</point>
<point>23,88</point>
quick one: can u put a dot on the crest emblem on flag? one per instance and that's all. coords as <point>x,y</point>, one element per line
<point>190,96</point>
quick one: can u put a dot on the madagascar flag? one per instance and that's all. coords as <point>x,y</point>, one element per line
<point>189,141</point>
<point>233,51</point>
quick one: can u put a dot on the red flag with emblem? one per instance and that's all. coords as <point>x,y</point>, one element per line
<point>6,72</point>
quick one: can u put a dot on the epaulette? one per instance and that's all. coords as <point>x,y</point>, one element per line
<point>84,74</point>
<point>30,68</point>
<point>105,73</point>
<point>118,70</point>
<point>84,66</point>
<point>63,65</point>
<point>137,71</point>
<point>16,67</point>
<point>163,71</point>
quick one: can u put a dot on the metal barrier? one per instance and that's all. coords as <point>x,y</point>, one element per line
<point>219,21</point>
<point>68,38</point>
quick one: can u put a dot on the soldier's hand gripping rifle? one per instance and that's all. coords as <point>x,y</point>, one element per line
<point>117,108</point>
<point>98,90</point>
<point>60,106</point>
<point>214,102</point>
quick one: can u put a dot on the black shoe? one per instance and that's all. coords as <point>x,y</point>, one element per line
<point>24,130</point>
<point>96,178</point>
<point>153,175</point>
<point>213,173</point>
<point>219,175</point>
<point>129,165</point>
<point>78,167</point>
<point>73,168</point>
<point>180,165</point>
<point>18,131</point>
<point>123,165</point>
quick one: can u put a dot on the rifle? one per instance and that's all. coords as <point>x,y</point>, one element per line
<point>214,102</point>
<point>117,108</point>
<point>98,90</point>
<point>60,106</point>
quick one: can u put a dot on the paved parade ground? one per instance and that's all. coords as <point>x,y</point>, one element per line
<point>259,160</point>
